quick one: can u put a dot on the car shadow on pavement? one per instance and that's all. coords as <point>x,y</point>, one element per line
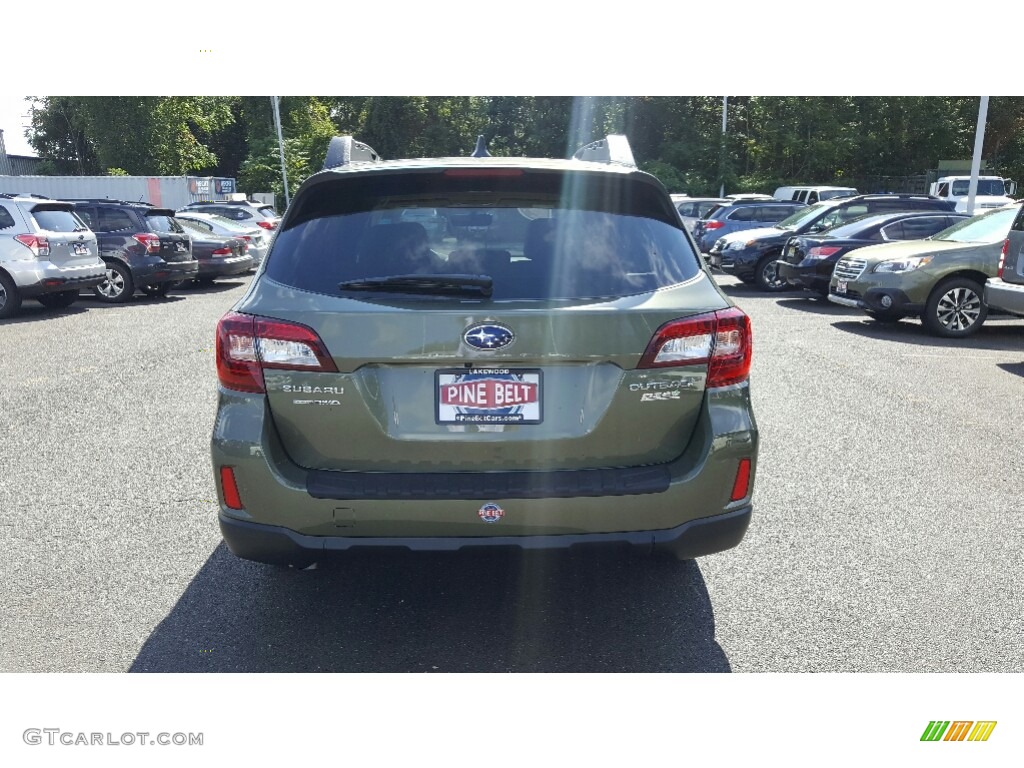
<point>31,312</point>
<point>459,612</point>
<point>1017,369</point>
<point>218,286</point>
<point>744,290</point>
<point>996,337</point>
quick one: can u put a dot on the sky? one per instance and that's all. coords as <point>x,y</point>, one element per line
<point>13,117</point>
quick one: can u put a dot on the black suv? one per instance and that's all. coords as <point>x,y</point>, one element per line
<point>143,247</point>
<point>751,254</point>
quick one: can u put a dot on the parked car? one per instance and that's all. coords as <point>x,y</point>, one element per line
<point>751,256</point>
<point>142,245</point>
<point>562,372</point>
<point>739,215</point>
<point>217,256</point>
<point>243,211</point>
<point>257,238</point>
<point>812,194</point>
<point>691,209</point>
<point>940,279</point>
<point>1005,291</point>
<point>808,260</point>
<point>46,253</point>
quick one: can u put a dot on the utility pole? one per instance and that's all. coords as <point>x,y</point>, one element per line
<point>276,101</point>
<point>721,153</point>
<point>979,139</point>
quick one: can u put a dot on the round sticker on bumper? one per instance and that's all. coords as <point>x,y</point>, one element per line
<point>491,513</point>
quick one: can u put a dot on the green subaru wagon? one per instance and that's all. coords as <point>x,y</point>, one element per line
<point>549,366</point>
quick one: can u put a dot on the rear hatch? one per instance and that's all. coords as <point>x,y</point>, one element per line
<point>71,243</point>
<point>512,342</point>
<point>175,244</point>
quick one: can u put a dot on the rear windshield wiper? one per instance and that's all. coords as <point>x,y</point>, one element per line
<point>429,284</point>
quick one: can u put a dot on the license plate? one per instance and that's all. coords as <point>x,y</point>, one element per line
<point>488,396</point>
<point>840,286</point>
<point>80,249</point>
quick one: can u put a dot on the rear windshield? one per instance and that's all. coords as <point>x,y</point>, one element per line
<point>163,223</point>
<point>57,220</point>
<point>268,211</point>
<point>545,235</point>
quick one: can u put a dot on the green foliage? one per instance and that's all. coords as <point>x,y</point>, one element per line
<point>769,140</point>
<point>117,172</point>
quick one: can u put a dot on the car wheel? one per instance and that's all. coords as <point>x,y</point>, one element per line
<point>60,300</point>
<point>10,297</point>
<point>885,317</point>
<point>955,308</point>
<point>767,276</point>
<point>118,287</point>
<point>160,290</point>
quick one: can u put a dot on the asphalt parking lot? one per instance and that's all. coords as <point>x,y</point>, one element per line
<point>886,538</point>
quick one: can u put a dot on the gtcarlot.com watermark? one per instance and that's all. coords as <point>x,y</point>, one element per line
<point>55,736</point>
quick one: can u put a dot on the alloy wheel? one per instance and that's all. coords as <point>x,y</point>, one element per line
<point>958,309</point>
<point>113,286</point>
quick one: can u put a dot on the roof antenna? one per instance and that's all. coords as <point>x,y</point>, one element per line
<point>481,147</point>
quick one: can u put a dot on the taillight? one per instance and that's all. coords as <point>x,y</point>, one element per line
<point>265,224</point>
<point>247,238</point>
<point>39,246</point>
<point>721,340</point>
<point>247,345</point>
<point>822,251</point>
<point>149,241</point>
<point>713,224</point>
<point>1002,257</point>
<point>222,252</point>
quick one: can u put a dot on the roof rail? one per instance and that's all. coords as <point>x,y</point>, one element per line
<point>613,148</point>
<point>345,149</point>
<point>12,195</point>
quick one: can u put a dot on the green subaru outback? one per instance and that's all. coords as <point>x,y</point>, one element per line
<point>941,279</point>
<point>552,367</point>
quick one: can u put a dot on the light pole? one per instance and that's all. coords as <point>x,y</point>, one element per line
<point>721,153</point>
<point>275,100</point>
<point>979,139</point>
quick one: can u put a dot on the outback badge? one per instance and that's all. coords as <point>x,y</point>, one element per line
<point>488,336</point>
<point>491,513</point>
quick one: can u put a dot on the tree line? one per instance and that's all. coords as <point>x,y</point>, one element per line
<point>769,140</point>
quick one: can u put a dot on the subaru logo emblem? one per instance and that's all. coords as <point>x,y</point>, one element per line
<point>488,336</point>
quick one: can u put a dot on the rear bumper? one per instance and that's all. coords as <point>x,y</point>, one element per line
<point>36,277</point>
<point>804,277</point>
<point>684,506</point>
<point>165,271</point>
<point>274,544</point>
<point>225,267</point>
<point>1004,296</point>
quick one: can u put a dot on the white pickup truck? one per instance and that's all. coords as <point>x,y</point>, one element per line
<point>992,192</point>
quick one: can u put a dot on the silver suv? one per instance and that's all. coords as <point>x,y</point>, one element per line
<point>46,252</point>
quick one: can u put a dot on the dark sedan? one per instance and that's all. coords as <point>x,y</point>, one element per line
<point>217,256</point>
<point>808,260</point>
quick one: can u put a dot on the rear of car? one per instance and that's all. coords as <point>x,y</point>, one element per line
<point>738,216</point>
<point>693,209</point>
<point>558,370</point>
<point>1005,291</point>
<point>143,247</point>
<point>256,238</point>
<point>46,252</point>
<point>245,212</point>
<point>217,256</point>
